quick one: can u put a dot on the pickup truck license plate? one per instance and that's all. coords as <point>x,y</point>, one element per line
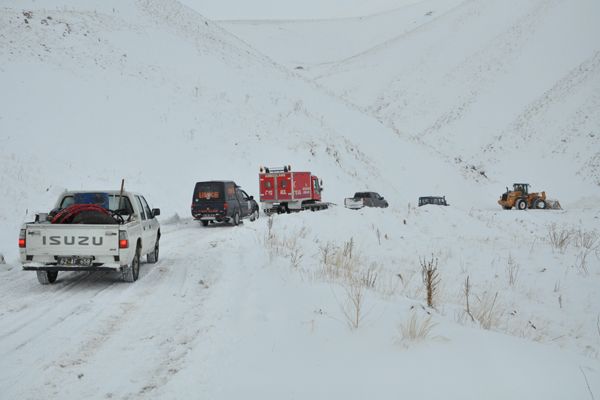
<point>71,261</point>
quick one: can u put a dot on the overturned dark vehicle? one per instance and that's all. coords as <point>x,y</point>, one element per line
<point>434,200</point>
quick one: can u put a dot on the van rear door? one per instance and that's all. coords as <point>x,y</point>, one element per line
<point>208,197</point>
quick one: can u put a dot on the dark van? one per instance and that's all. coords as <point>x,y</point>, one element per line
<point>222,201</point>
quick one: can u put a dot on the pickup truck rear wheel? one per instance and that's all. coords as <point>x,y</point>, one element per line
<point>47,277</point>
<point>152,257</point>
<point>132,271</point>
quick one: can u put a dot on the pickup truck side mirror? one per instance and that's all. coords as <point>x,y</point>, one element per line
<point>156,212</point>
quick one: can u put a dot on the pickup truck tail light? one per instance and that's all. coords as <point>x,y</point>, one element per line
<point>123,240</point>
<point>22,239</point>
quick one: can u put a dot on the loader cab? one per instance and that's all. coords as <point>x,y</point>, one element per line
<point>521,187</point>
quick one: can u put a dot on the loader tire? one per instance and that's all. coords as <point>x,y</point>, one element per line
<point>46,277</point>
<point>521,204</point>
<point>540,204</point>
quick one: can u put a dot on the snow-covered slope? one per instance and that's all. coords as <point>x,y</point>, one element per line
<point>509,87</point>
<point>153,92</point>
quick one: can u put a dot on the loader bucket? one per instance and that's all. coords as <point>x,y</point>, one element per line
<point>553,205</point>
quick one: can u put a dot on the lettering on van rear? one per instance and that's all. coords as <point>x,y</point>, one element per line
<point>57,240</point>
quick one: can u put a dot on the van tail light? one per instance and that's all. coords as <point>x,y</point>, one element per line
<point>225,206</point>
<point>123,240</point>
<point>22,239</point>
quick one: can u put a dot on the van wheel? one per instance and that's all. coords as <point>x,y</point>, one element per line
<point>46,277</point>
<point>204,223</point>
<point>254,216</point>
<point>521,204</point>
<point>152,257</point>
<point>236,218</point>
<point>132,271</point>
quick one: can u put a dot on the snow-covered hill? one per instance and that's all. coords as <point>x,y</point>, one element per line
<point>403,97</point>
<point>509,87</point>
<point>153,92</point>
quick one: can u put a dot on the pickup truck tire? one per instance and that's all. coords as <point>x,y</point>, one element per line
<point>132,271</point>
<point>152,257</point>
<point>47,277</point>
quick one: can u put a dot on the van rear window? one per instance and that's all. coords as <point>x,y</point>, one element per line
<point>209,191</point>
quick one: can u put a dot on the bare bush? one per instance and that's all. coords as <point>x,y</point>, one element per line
<point>415,330</point>
<point>559,237</point>
<point>296,256</point>
<point>587,242</point>
<point>368,278</point>
<point>326,252</point>
<point>340,263</point>
<point>348,248</point>
<point>354,306</point>
<point>431,279</point>
<point>486,312</point>
<point>512,270</point>
<point>270,228</point>
<point>467,292</point>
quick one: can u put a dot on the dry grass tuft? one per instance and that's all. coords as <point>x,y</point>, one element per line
<point>415,330</point>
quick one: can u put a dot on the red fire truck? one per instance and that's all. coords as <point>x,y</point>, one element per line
<point>284,190</point>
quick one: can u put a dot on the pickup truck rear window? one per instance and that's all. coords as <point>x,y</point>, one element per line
<point>113,203</point>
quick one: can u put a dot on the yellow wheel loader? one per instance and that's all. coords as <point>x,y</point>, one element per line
<point>521,199</point>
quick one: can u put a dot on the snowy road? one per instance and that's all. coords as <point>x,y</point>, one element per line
<point>92,335</point>
<point>227,314</point>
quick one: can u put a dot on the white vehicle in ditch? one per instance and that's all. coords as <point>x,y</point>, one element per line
<point>132,231</point>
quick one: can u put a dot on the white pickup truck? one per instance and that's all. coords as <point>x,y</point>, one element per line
<point>116,241</point>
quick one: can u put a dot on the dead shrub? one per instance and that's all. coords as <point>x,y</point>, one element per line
<point>431,279</point>
<point>559,237</point>
<point>512,270</point>
<point>353,308</point>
